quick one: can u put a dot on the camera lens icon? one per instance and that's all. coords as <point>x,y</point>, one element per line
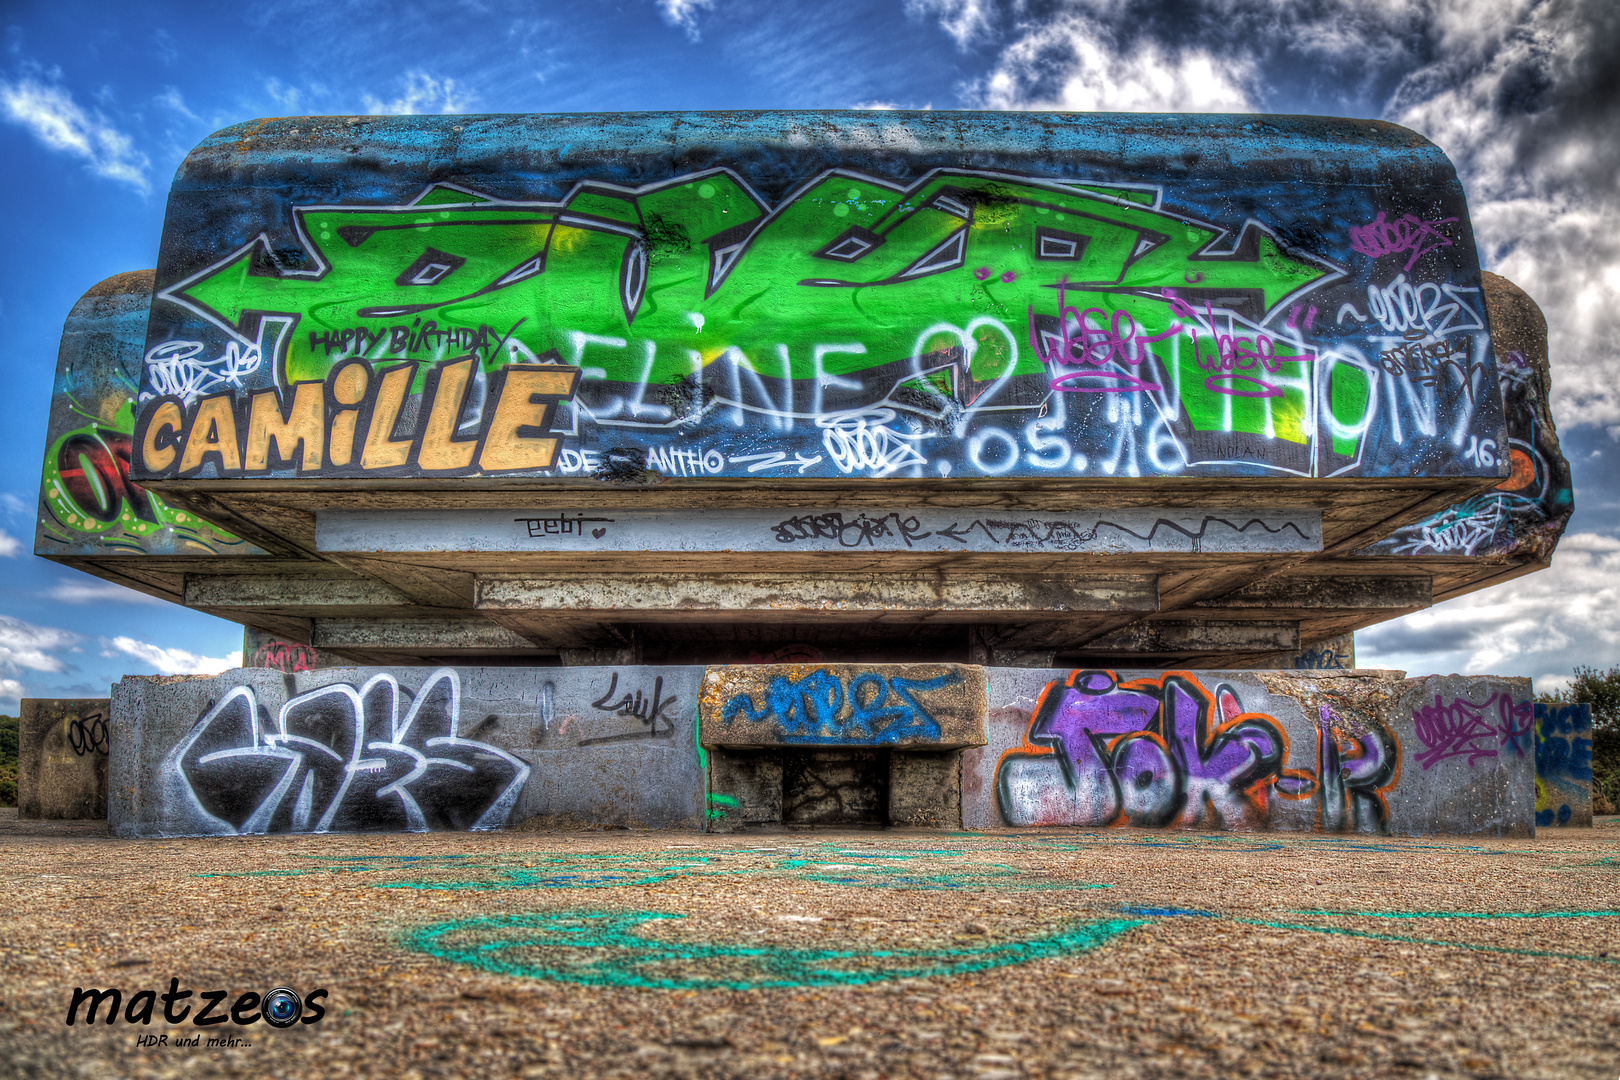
<point>282,1007</point>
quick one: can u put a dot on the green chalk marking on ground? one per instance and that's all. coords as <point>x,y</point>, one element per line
<point>596,948</point>
<point>1404,940</point>
<point>518,879</point>
<point>1464,914</point>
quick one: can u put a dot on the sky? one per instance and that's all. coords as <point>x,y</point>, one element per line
<point>100,102</point>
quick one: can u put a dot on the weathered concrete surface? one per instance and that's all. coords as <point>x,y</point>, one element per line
<point>956,597</point>
<point>925,789</point>
<point>934,706</point>
<point>1353,751</point>
<point>1115,953</point>
<point>1116,531</point>
<point>367,749</point>
<point>62,758</point>
<point>418,749</point>
<point>1564,764</point>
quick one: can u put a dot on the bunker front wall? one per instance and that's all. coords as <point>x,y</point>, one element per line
<point>1012,389</point>
<point>773,746</point>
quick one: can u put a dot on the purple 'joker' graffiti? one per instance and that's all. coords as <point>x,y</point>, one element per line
<point>341,759</point>
<point>1165,751</point>
<point>1151,752</point>
<point>1465,728</point>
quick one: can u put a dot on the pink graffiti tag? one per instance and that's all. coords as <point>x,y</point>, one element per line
<point>1119,341</point>
<point>1462,728</point>
<point>1406,233</point>
<point>1236,361</point>
<point>285,656</point>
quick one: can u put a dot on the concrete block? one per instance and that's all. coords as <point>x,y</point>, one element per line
<point>1564,764</point>
<point>397,749</point>
<point>925,789</point>
<point>894,705</point>
<point>1330,751</point>
<point>62,759</point>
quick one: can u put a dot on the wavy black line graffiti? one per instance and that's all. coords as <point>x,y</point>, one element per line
<point>341,759</point>
<point>87,734</point>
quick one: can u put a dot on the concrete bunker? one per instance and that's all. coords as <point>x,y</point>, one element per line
<point>1033,403</point>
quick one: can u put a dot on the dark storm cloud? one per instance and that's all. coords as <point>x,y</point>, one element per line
<point>1523,96</point>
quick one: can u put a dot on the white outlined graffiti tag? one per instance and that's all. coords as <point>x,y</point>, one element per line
<point>341,759</point>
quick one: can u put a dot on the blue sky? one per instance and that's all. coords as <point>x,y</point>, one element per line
<point>99,102</point>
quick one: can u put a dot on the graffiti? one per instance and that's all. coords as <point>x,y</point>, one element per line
<point>173,369</point>
<point>851,532</point>
<point>297,428</point>
<point>1526,509</point>
<point>600,948</point>
<point>1000,532</point>
<point>1238,361</point>
<point>562,525</point>
<point>87,734</point>
<point>1325,657</point>
<point>1354,774</point>
<point>863,442</point>
<point>284,656</point>
<point>88,495</point>
<point>818,708</point>
<point>1464,728</point>
<point>798,653</point>
<point>1563,764</point>
<point>1407,233</point>
<point>341,759</point>
<point>1166,751</point>
<point>1150,753</point>
<point>1118,342</point>
<point>648,710</point>
<point>929,328</point>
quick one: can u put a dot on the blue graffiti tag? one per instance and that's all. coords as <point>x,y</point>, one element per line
<point>812,709</point>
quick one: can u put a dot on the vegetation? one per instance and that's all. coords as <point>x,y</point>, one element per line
<point>8,761</point>
<point>1601,690</point>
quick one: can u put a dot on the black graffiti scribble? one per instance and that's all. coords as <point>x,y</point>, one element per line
<point>88,734</point>
<point>649,710</point>
<point>1063,535</point>
<point>341,759</point>
<point>1068,537</point>
<point>851,532</point>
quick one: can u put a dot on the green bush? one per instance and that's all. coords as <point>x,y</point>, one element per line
<point>8,761</point>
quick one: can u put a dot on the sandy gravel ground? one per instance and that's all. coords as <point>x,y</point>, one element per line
<point>1113,953</point>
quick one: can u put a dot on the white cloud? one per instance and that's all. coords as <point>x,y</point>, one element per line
<point>1524,103</point>
<point>1542,624</point>
<point>11,694</point>
<point>424,94</point>
<point>97,592</point>
<point>55,119</point>
<point>24,646</point>
<point>682,14</point>
<point>966,21</point>
<point>10,546</point>
<point>171,99</point>
<point>1074,63</point>
<point>170,661</point>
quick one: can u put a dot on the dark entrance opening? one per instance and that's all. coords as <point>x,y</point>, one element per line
<point>835,787</point>
<point>843,787</point>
